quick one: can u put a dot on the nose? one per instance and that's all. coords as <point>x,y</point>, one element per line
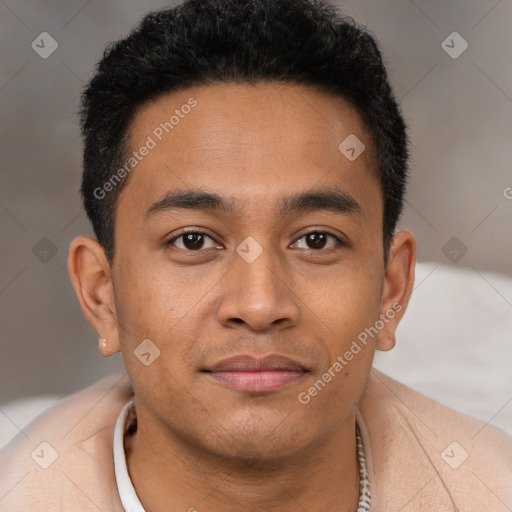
<point>258,294</point>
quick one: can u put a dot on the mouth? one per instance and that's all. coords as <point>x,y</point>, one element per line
<point>257,374</point>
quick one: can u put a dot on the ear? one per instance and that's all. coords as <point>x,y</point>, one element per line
<point>90,274</point>
<point>397,288</point>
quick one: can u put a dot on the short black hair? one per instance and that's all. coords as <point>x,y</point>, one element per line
<point>202,42</point>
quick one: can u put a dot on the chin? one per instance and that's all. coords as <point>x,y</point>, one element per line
<point>260,441</point>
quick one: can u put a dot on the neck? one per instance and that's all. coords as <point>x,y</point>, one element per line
<point>170,474</point>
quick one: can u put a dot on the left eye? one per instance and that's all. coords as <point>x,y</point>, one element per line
<point>318,240</point>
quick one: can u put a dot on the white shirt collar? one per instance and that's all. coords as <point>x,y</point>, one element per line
<point>129,498</point>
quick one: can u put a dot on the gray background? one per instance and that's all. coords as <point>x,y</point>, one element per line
<point>459,113</point>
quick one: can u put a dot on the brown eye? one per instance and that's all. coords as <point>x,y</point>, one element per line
<point>191,241</point>
<point>318,240</point>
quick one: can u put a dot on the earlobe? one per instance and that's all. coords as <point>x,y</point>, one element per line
<point>397,287</point>
<point>105,348</point>
<point>386,341</point>
<point>90,275</point>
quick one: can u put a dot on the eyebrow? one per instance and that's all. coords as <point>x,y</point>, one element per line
<point>329,199</point>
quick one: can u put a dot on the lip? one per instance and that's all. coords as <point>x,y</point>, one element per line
<point>256,374</point>
<point>250,363</point>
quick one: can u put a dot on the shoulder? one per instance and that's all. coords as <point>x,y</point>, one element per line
<point>63,458</point>
<point>468,460</point>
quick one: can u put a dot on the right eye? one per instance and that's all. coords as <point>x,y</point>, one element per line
<point>191,241</point>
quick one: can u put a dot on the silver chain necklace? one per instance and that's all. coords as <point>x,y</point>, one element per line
<point>365,496</point>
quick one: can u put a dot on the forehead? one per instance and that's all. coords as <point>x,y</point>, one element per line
<point>248,142</point>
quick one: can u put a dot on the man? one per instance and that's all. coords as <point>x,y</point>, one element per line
<point>244,169</point>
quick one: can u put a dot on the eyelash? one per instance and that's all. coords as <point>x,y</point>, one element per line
<point>195,232</point>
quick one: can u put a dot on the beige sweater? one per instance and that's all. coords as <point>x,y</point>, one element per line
<point>409,439</point>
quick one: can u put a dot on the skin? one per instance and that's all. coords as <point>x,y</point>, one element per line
<point>200,444</point>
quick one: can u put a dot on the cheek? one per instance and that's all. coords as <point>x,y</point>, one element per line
<point>162,306</point>
<point>344,302</point>
<point>147,294</point>
<point>347,310</point>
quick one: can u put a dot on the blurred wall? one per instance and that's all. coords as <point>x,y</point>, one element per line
<point>459,113</point>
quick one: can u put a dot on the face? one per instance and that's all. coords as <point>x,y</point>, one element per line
<point>245,231</point>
